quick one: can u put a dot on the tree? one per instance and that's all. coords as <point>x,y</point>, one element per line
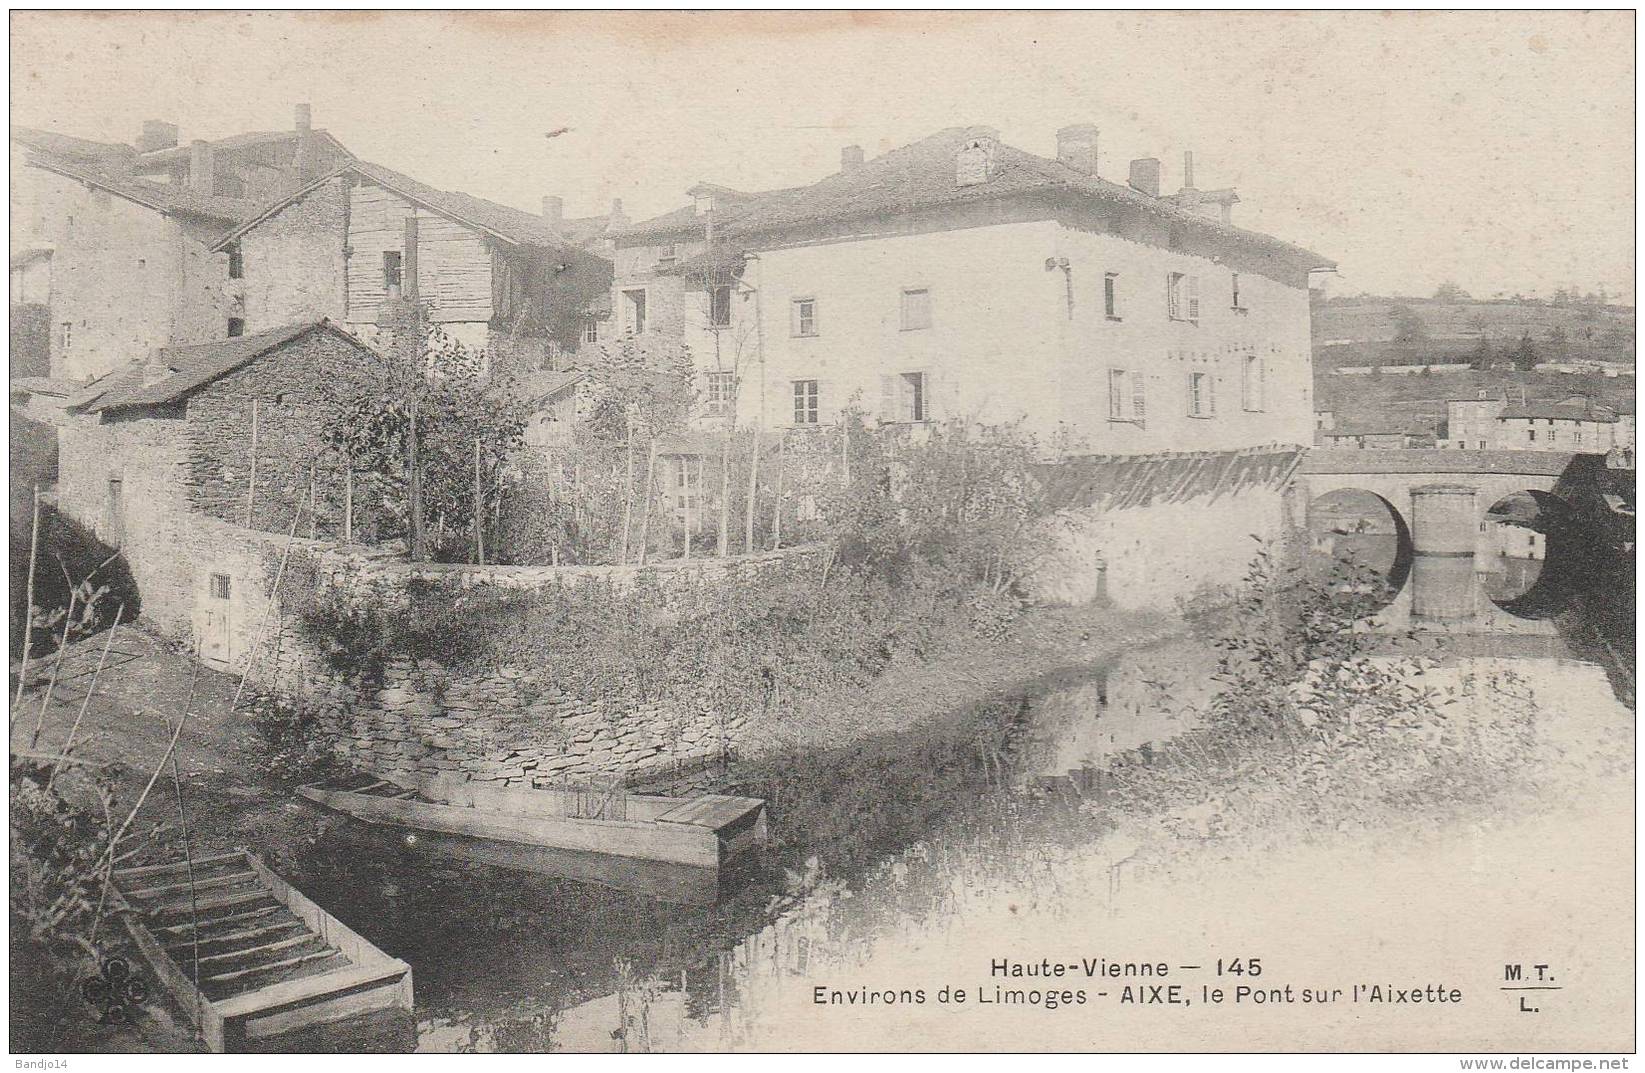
<point>1408,326</point>
<point>1525,354</point>
<point>1483,354</point>
<point>1450,292</point>
<point>436,432</point>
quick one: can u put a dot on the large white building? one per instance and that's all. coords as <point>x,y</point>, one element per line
<point>962,277</point>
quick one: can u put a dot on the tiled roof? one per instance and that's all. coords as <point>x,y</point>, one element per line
<point>67,145</point>
<point>545,384</point>
<point>922,174</point>
<point>729,205</point>
<point>186,368</point>
<point>514,226</point>
<point>1557,411</point>
<point>233,141</point>
<point>162,197</point>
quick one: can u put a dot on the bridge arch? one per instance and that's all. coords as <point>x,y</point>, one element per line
<point>1349,521</point>
<point>1532,557</point>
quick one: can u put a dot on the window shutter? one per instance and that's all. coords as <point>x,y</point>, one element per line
<point>1211,393</point>
<point>1116,390</point>
<point>1171,295</point>
<point>828,409</point>
<point>1139,404</point>
<point>1193,297</point>
<point>888,398</point>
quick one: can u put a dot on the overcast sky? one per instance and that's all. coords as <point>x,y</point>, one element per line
<point>1493,149</point>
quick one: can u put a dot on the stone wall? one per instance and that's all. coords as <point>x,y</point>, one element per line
<point>1147,532</point>
<point>297,391</point>
<point>294,267</point>
<point>503,724</point>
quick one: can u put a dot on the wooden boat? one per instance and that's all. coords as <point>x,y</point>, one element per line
<point>246,955</point>
<point>701,832</point>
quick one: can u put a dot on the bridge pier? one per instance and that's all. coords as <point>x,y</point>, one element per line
<point>1444,534</point>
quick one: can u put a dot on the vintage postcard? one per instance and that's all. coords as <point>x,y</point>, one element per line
<point>813,531</point>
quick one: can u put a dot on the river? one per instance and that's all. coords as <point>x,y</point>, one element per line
<point>511,960</point>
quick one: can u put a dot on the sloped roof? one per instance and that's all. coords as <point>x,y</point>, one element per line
<point>545,383</point>
<point>1557,411</point>
<point>514,226</point>
<point>188,368</point>
<point>162,197</point>
<point>234,141</point>
<point>922,175</point>
<point>729,204</point>
<point>67,145</point>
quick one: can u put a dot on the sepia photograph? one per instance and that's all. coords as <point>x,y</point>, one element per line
<point>754,531</point>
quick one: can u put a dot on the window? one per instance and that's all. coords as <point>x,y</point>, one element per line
<point>66,337</point>
<point>1553,437</point>
<point>391,270</point>
<point>805,402</point>
<point>667,254</point>
<point>904,398</point>
<point>1110,306</point>
<point>591,330</point>
<point>1202,395</point>
<point>804,317</point>
<point>916,308</point>
<point>1530,435</point>
<point>634,312</point>
<point>1237,304</point>
<point>719,307</point>
<point>236,327</point>
<point>219,586</point>
<point>1125,396</point>
<point>722,388</point>
<point>236,263</point>
<point>1182,296</point>
<point>1251,384</point>
<point>1577,436</point>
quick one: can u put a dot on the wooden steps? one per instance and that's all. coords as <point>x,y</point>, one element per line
<point>248,956</point>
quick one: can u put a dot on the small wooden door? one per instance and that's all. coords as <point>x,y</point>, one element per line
<point>216,620</point>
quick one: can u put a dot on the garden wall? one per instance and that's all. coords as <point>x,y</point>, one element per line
<point>504,724</point>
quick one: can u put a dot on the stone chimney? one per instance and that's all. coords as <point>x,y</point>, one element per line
<point>302,118</point>
<point>554,209</point>
<point>1145,175</point>
<point>1188,170</point>
<point>618,219</point>
<point>974,161</point>
<point>850,157</point>
<point>304,162</point>
<point>201,167</point>
<point>1077,147</point>
<point>157,134</point>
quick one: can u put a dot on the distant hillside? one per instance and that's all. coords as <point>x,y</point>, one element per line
<point>1419,401</point>
<point>1379,331</point>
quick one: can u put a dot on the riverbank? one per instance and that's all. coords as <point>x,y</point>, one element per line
<point>231,796</point>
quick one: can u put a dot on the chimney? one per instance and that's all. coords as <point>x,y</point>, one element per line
<point>554,209</point>
<point>1145,176</point>
<point>157,134</point>
<point>302,118</point>
<point>1077,147</point>
<point>1188,170</point>
<point>304,162</point>
<point>618,219</point>
<point>201,167</point>
<point>850,157</point>
<point>974,162</point>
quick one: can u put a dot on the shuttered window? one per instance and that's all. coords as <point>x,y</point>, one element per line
<point>1252,382</point>
<point>916,308</point>
<point>391,269</point>
<point>1202,394</point>
<point>1126,396</point>
<point>804,316</point>
<point>905,397</point>
<point>1182,296</point>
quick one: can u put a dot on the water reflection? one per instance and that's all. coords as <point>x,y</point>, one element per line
<point>505,959</point>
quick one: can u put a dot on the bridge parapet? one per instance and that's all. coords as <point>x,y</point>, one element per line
<point>1419,461</point>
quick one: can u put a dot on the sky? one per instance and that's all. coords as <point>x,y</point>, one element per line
<point>1492,149</point>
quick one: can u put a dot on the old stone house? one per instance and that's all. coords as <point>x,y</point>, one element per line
<point>1576,424</point>
<point>130,267</point>
<point>167,459</point>
<point>960,276</point>
<point>117,235</point>
<point>359,240</point>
